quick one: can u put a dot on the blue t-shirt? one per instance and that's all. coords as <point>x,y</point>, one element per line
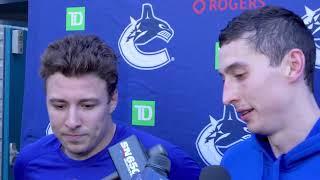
<point>44,159</point>
<point>253,159</point>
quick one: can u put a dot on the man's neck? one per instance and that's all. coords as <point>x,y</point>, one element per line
<point>299,122</point>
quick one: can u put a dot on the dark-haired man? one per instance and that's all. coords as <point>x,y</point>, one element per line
<point>80,74</point>
<point>267,60</point>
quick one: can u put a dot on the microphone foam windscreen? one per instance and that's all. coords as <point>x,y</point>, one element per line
<point>160,162</point>
<point>214,173</point>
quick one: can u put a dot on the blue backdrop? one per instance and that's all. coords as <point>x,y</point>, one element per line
<point>168,82</point>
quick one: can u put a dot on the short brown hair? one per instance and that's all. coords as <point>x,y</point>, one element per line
<point>274,31</point>
<point>77,55</point>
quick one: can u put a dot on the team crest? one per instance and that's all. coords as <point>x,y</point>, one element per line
<point>219,135</point>
<point>141,32</point>
<point>312,20</point>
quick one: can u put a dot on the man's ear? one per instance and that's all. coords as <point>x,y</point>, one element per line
<point>113,101</point>
<point>294,63</point>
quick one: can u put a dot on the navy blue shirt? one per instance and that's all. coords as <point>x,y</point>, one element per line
<point>44,159</point>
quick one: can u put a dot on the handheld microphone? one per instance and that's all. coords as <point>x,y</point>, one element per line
<point>157,149</point>
<point>128,157</point>
<point>112,176</point>
<point>214,172</point>
<point>157,167</point>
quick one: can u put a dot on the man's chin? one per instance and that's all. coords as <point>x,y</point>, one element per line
<point>253,128</point>
<point>75,149</point>
<point>257,130</point>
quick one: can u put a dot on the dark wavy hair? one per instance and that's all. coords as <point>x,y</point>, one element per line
<point>77,55</point>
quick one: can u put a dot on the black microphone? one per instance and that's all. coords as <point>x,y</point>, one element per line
<point>112,176</point>
<point>128,157</point>
<point>214,172</point>
<point>157,149</point>
<point>157,167</point>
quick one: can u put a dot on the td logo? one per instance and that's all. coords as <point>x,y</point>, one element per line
<point>143,113</point>
<point>75,18</point>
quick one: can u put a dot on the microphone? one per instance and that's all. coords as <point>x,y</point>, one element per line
<point>157,149</point>
<point>157,167</point>
<point>214,172</point>
<point>128,157</point>
<point>112,176</point>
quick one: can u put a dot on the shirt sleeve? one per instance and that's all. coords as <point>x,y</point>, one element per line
<point>19,168</point>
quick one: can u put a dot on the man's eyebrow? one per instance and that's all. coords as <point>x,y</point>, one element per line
<point>234,66</point>
<point>56,100</point>
<point>93,100</point>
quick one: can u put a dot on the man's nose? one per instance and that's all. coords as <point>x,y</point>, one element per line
<point>230,93</point>
<point>72,121</point>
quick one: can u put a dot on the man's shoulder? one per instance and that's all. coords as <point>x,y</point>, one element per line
<point>42,146</point>
<point>241,152</point>
<point>244,154</point>
<point>148,140</point>
<point>243,147</point>
<point>34,151</point>
<point>182,165</point>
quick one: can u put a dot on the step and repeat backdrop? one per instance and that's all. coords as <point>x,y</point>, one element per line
<point>168,82</point>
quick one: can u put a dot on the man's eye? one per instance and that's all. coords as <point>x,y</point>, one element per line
<point>240,76</point>
<point>59,106</point>
<point>88,106</point>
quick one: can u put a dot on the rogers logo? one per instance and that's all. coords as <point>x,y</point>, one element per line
<point>201,6</point>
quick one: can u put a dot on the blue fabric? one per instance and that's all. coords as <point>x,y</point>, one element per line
<point>45,160</point>
<point>253,159</point>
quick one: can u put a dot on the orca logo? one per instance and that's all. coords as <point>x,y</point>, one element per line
<point>220,135</point>
<point>312,20</point>
<point>139,33</point>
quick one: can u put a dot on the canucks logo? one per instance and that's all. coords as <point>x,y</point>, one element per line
<point>312,20</point>
<point>219,135</point>
<point>141,32</point>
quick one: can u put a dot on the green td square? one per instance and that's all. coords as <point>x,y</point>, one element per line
<point>75,19</point>
<point>143,113</point>
<point>216,62</point>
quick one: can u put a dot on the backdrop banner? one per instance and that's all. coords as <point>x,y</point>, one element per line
<point>168,82</point>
